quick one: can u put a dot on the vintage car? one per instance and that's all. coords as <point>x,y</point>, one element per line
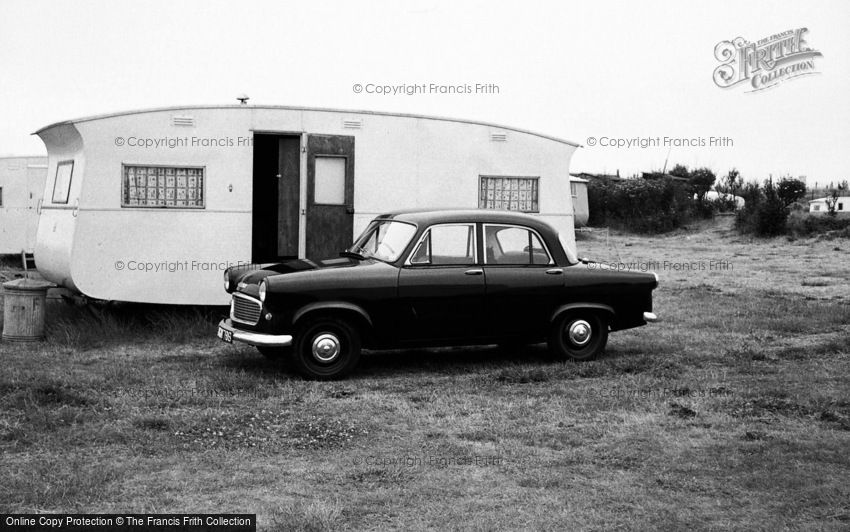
<point>434,278</point>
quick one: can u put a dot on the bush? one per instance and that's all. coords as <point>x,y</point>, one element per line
<point>724,204</point>
<point>764,213</point>
<point>644,206</point>
<point>701,180</point>
<point>704,208</point>
<point>804,224</point>
<point>771,213</point>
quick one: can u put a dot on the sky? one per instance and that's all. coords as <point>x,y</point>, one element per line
<point>613,71</point>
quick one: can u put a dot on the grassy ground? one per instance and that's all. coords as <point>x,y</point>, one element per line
<point>732,412</point>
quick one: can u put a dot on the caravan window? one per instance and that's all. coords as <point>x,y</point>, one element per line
<point>179,187</point>
<point>509,193</point>
<point>62,183</point>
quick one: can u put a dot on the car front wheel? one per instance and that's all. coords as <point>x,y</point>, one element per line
<point>326,348</point>
<point>578,335</point>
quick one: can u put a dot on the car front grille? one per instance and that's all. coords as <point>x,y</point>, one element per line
<point>245,309</point>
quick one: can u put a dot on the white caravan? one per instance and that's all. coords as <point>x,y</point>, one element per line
<point>151,206</point>
<point>21,186</point>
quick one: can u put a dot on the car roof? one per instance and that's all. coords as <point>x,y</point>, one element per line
<point>432,216</point>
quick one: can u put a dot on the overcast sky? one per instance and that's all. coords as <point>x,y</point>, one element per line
<point>617,70</point>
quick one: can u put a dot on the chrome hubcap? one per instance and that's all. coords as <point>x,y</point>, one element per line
<point>579,332</point>
<point>326,347</point>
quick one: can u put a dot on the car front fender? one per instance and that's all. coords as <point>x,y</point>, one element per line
<point>332,306</point>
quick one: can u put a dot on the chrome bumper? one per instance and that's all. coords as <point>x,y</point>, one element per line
<point>254,338</point>
<point>649,317</point>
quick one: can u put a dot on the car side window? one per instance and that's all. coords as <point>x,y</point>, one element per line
<point>513,246</point>
<point>443,245</point>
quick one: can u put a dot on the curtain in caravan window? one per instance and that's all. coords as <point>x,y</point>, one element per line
<point>509,193</point>
<point>163,186</point>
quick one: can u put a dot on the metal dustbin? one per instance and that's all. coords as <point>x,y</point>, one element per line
<point>24,304</point>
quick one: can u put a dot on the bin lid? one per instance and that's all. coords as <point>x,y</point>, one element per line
<point>27,284</point>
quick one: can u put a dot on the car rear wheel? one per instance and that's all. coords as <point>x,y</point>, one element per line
<point>326,348</point>
<point>578,335</point>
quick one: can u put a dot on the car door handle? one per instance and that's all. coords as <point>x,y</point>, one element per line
<point>474,272</point>
<point>554,271</point>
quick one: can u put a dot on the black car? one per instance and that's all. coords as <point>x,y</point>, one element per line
<point>434,278</point>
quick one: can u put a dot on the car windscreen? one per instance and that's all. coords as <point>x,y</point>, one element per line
<point>384,240</point>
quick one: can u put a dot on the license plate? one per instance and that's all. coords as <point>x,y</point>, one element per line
<point>225,335</point>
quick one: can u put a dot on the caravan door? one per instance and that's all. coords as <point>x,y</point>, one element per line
<point>330,195</point>
<point>277,189</point>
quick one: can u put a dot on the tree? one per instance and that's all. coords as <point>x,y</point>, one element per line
<point>831,200</point>
<point>680,170</point>
<point>733,181</point>
<point>790,190</point>
<point>771,213</point>
<point>701,180</point>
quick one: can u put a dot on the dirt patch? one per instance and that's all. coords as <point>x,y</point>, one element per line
<point>681,411</point>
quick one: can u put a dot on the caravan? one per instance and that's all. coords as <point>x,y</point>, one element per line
<point>152,206</point>
<point>21,186</point>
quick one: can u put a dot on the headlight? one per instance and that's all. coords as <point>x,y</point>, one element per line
<point>263,287</point>
<point>226,281</point>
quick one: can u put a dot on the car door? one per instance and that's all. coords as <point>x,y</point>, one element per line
<point>523,282</point>
<point>441,286</point>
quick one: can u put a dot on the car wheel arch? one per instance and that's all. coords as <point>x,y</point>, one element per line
<point>597,307</point>
<point>325,308</point>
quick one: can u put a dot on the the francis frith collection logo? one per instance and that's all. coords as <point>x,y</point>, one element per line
<point>764,63</point>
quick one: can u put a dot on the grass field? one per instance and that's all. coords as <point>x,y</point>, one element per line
<point>734,411</point>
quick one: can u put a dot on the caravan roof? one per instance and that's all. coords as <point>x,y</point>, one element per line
<point>297,108</point>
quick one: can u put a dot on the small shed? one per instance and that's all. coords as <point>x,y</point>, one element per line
<point>820,206</point>
<point>21,188</point>
<point>581,208</point>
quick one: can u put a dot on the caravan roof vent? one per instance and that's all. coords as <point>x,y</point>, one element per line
<point>352,123</point>
<point>498,136</point>
<point>177,120</point>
